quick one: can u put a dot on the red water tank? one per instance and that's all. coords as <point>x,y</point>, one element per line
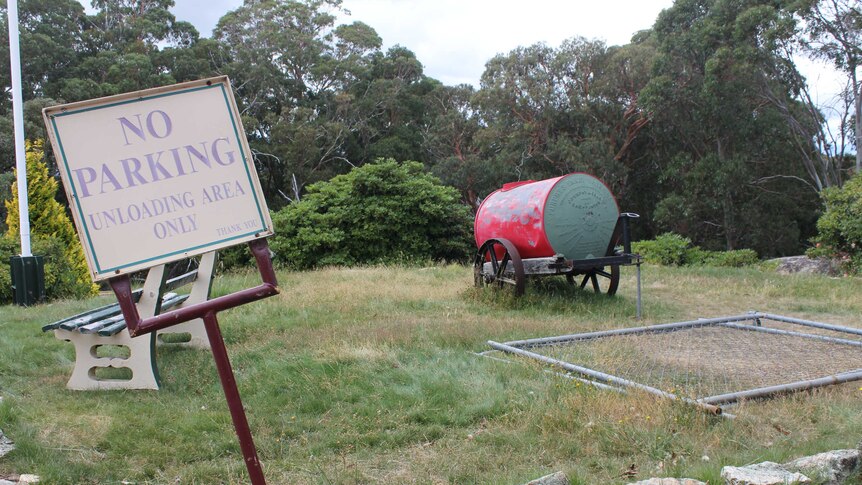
<point>573,215</point>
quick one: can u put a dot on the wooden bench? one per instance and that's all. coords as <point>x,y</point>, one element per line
<point>105,326</point>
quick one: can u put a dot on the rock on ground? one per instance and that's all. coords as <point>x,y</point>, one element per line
<point>766,473</point>
<point>6,445</point>
<point>806,265</point>
<point>832,467</point>
<point>19,480</point>
<point>558,478</point>
<point>669,481</point>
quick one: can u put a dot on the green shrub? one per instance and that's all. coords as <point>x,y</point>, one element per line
<point>733,259</point>
<point>7,179</point>
<point>671,249</point>
<point>61,278</point>
<point>8,248</point>
<point>378,213</point>
<point>839,229</point>
<point>52,235</point>
<point>238,256</point>
<point>697,256</point>
<point>668,249</point>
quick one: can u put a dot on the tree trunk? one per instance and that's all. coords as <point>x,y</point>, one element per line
<point>729,223</point>
<point>857,101</point>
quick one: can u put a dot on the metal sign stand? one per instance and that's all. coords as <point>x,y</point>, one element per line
<point>208,310</point>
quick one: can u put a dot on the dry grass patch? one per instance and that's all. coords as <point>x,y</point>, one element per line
<point>368,375</point>
<point>348,289</point>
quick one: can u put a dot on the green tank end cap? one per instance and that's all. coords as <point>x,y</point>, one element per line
<point>580,216</point>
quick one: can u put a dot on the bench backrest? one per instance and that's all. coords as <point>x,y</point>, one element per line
<point>107,320</point>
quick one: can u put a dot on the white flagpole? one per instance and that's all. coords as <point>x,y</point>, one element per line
<point>18,119</point>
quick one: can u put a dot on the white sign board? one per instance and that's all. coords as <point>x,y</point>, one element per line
<point>157,175</point>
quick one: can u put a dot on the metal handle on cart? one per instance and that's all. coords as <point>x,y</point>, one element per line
<point>625,217</point>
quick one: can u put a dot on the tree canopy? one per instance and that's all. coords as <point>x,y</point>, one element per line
<point>702,124</point>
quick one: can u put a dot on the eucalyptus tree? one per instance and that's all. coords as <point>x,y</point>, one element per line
<point>548,111</point>
<point>833,32</point>
<point>390,108</point>
<point>69,55</point>
<point>51,37</point>
<point>455,143</point>
<point>292,67</point>
<point>120,51</point>
<point>788,32</point>
<point>729,174</point>
<point>136,26</point>
<point>517,102</point>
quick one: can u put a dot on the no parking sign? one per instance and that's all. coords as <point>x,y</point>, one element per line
<point>158,175</point>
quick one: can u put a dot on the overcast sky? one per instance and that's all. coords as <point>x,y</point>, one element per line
<point>454,39</point>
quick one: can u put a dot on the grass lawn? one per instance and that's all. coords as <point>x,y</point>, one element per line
<point>369,375</point>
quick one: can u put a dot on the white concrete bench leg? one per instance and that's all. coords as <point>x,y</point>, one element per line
<point>200,293</point>
<point>140,361</point>
<point>142,350</point>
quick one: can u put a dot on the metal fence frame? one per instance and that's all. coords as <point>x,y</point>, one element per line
<point>711,404</point>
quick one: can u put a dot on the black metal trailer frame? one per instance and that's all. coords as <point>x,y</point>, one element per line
<point>489,269</point>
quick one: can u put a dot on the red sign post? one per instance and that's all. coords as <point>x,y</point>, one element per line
<point>207,311</point>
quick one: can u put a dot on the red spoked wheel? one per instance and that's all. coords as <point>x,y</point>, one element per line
<point>497,263</point>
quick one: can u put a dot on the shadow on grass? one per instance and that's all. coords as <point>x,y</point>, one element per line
<point>552,296</point>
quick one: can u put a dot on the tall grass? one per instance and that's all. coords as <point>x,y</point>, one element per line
<point>370,375</point>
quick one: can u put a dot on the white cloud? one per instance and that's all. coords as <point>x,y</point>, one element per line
<point>203,14</point>
<point>455,38</point>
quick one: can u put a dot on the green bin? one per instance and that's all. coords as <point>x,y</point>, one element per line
<point>28,279</point>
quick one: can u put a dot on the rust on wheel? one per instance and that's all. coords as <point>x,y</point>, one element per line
<point>497,263</point>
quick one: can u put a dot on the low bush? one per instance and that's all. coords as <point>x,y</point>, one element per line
<point>384,212</point>
<point>671,249</point>
<point>839,229</point>
<point>668,249</point>
<point>62,279</point>
<point>736,258</point>
<point>234,257</point>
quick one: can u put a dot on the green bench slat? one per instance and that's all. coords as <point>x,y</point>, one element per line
<point>181,280</point>
<point>116,327</point>
<point>96,326</point>
<point>56,325</point>
<point>96,315</point>
<point>117,321</point>
<point>83,318</point>
<point>112,329</point>
<point>88,319</point>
